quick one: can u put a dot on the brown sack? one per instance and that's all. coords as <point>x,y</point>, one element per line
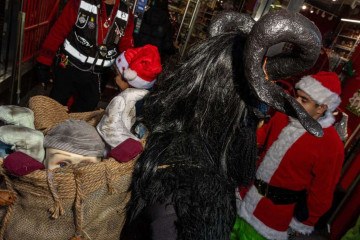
<point>48,113</point>
<point>87,202</point>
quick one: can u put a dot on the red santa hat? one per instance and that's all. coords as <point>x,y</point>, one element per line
<point>140,66</point>
<point>323,88</point>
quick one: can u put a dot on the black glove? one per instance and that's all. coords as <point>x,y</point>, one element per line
<point>43,74</point>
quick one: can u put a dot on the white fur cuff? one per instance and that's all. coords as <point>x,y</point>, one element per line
<point>300,227</point>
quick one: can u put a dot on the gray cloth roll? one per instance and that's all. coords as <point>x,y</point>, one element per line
<point>15,115</point>
<point>24,139</point>
<point>75,136</point>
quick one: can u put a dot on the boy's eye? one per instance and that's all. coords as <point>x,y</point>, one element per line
<point>63,164</point>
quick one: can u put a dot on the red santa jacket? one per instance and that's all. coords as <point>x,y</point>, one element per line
<point>294,160</point>
<point>64,25</point>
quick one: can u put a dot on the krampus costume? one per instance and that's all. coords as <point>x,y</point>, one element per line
<point>202,121</point>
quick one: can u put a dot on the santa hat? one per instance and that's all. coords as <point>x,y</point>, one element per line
<point>140,66</point>
<point>323,88</point>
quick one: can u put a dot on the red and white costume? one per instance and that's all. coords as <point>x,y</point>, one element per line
<point>86,38</point>
<point>296,160</point>
<point>65,24</point>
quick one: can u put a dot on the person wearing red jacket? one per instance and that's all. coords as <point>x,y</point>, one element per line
<point>85,41</point>
<point>297,171</point>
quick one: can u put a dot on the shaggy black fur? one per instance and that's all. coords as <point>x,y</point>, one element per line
<point>202,142</point>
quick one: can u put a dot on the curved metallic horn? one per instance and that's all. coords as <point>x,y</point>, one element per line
<point>273,28</point>
<point>230,21</point>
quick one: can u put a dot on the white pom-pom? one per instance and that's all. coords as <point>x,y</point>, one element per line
<point>130,74</point>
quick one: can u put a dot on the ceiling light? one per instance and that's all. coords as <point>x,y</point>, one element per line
<point>323,14</point>
<point>303,7</point>
<point>311,10</point>
<point>331,17</point>
<point>317,12</point>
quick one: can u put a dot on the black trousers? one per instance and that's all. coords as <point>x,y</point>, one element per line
<point>157,222</point>
<point>84,86</point>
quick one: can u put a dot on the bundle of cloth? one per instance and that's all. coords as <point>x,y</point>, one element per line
<point>73,141</point>
<point>23,147</point>
<point>81,184</point>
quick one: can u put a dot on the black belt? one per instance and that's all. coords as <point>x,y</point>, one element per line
<point>278,195</point>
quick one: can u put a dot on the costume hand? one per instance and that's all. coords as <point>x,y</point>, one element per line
<point>295,235</point>
<point>43,74</point>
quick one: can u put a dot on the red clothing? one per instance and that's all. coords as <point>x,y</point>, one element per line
<point>65,24</point>
<point>294,160</point>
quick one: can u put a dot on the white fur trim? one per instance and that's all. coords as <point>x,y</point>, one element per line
<point>121,63</point>
<point>138,82</point>
<point>238,198</point>
<point>246,211</point>
<point>318,92</point>
<point>130,74</point>
<point>327,120</point>
<point>300,227</point>
<point>133,79</point>
<point>288,136</point>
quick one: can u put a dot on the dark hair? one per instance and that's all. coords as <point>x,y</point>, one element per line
<point>208,96</point>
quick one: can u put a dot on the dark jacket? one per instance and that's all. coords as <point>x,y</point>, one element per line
<point>75,19</point>
<point>156,29</point>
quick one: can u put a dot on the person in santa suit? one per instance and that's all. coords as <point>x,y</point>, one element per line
<point>297,171</point>
<point>137,70</point>
<point>86,39</point>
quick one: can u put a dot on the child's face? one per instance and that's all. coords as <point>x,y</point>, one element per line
<point>121,83</point>
<point>57,158</point>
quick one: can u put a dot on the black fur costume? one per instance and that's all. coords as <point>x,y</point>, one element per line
<point>202,141</point>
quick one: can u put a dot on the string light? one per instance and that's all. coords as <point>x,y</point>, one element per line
<point>317,11</point>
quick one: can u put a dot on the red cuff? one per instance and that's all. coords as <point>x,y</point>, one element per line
<point>46,56</point>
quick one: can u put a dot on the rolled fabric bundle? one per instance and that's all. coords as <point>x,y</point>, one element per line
<point>20,164</point>
<point>15,115</point>
<point>127,150</point>
<point>24,139</point>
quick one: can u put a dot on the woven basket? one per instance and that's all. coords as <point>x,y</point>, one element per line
<point>76,201</point>
<point>48,113</point>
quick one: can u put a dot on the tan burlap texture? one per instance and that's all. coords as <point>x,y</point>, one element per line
<point>48,113</point>
<point>87,202</point>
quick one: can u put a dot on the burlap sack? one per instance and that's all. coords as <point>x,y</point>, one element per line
<point>87,202</point>
<point>48,113</point>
